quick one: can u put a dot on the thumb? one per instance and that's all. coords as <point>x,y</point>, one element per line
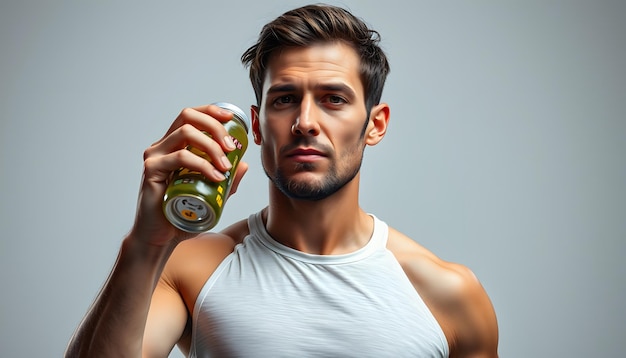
<point>242,168</point>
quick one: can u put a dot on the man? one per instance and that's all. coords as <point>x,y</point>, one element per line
<point>312,274</point>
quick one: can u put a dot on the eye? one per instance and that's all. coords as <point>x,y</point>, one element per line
<point>335,99</point>
<point>286,99</point>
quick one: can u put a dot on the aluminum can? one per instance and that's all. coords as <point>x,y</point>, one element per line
<point>194,203</point>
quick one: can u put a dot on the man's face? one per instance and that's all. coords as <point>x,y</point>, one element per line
<point>312,119</point>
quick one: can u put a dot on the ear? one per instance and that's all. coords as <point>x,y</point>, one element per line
<point>377,126</point>
<point>256,133</point>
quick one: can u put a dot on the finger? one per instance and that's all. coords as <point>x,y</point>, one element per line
<point>221,114</point>
<point>242,169</point>
<point>208,118</point>
<point>197,114</point>
<point>188,135</point>
<point>158,168</point>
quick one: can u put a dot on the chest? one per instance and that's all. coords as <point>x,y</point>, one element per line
<point>289,308</point>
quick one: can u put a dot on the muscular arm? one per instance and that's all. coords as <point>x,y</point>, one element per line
<point>166,322</point>
<point>184,276</point>
<point>454,295</point>
<point>139,314</point>
<point>114,325</point>
<point>469,315</point>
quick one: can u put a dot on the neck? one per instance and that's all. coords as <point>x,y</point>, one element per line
<point>331,226</point>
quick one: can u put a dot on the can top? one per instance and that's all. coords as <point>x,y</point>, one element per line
<point>237,112</point>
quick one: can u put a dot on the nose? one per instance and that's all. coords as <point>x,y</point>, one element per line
<point>307,122</point>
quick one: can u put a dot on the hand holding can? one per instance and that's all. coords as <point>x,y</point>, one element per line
<point>192,202</point>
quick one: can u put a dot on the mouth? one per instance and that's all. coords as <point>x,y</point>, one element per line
<point>306,155</point>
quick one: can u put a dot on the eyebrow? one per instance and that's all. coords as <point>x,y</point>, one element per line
<point>336,87</point>
<point>331,87</point>
<point>280,88</point>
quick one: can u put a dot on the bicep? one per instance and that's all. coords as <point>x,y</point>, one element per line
<point>166,321</point>
<point>476,322</point>
<point>459,303</point>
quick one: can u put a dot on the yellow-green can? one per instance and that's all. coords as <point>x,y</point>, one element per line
<point>194,203</point>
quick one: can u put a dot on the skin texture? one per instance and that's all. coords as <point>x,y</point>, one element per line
<point>312,127</point>
<point>313,166</point>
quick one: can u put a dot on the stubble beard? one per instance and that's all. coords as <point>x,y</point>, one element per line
<point>315,190</point>
<point>331,183</point>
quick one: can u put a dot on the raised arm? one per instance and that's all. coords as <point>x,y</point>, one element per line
<point>115,324</point>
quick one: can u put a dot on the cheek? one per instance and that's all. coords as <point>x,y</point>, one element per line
<point>351,140</point>
<point>275,134</point>
<point>269,143</point>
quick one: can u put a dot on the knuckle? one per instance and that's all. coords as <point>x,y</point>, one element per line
<point>149,162</point>
<point>187,112</point>
<point>183,155</point>
<point>147,153</point>
<point>186,129</point>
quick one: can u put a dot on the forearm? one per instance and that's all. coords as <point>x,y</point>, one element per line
<point>115,323</point>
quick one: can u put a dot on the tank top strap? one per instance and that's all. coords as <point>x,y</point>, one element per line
<point>380,235</point>
<point>255,223</point>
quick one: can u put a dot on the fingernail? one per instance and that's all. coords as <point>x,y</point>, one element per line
<point>219,175</point>
<point>229,142</point>
<point>226,162</point>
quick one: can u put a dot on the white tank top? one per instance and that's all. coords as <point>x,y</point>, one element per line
<point>268,300</point>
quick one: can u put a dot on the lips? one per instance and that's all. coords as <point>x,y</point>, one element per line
<point>306,154</point>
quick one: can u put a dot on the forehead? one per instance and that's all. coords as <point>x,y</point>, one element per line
<point>319,63</point>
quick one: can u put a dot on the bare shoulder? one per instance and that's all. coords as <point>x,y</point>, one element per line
<point>188,268</point>
<point>194,260</point>
<point>432,275</point>
<point>454,295</point>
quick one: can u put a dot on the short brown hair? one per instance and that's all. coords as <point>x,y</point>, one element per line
<point>312,24</point>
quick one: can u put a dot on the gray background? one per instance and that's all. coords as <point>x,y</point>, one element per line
<point>505,152</point>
